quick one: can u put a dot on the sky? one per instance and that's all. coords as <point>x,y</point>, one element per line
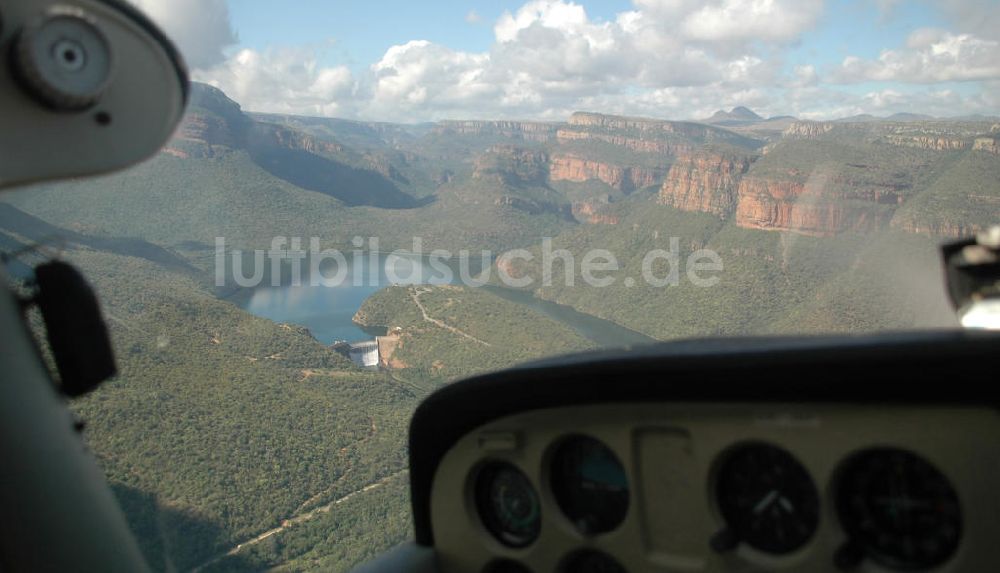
<point>407,61</point>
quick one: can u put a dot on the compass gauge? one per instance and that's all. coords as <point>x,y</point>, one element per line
<point>899,509</point>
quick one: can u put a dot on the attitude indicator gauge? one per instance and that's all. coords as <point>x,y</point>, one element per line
<point>590,485</point>
<point>767,499</point>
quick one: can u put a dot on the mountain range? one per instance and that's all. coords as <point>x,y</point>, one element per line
<point>225,426</point>
<point>575,169</point>
<point>764,189</point>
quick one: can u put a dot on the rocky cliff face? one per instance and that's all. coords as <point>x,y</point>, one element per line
<point>987,144</point>
<point>931,142</point>
<point>808,129</point>
<point>576,169</point>
<point>951,229</point>
<point>585,119</point>
<point>539,132</point>
<point>725,186</point>
<point>694,133</point>
<point>594,213</point>
<point>640,145</point>
<point>202,136</point>
<point>213,124</point>
<point>266,134</point>
<point>704,182</point>
<point>791,206</point>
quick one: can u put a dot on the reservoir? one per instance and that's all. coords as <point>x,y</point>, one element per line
<point>327,311</point>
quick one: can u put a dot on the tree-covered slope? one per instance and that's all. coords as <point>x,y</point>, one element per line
<point>231,422</point>
<point>444,333</point>
<point>771,282</point>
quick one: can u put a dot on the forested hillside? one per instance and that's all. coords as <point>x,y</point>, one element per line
<point>444,333</point>
<point>235,442</point>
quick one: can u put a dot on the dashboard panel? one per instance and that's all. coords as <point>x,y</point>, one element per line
<point>723,487</point>
<point>862,453</point>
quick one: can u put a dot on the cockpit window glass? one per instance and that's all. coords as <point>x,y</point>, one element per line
<point>367,202</point>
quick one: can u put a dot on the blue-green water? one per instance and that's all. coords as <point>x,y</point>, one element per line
<point>327,311</point>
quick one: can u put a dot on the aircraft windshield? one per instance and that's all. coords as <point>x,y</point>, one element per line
<point>368,202</point>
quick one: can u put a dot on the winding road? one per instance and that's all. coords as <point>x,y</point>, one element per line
<point>415,295</point>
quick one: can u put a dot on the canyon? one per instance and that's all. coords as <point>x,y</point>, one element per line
<point>833,195</point>
<point>811,178</point>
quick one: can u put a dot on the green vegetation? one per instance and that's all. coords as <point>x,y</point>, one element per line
<point>223,427</point>
<point>771,283</point>
<point>448,332</point>
<point>963,196</point>
<point>175,202</point>
<point>852,166</point>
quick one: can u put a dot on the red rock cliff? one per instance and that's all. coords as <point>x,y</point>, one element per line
<point>720,184</point>
<point>704,182</point>
<point>776,205</point>
<point>578,170</point>
<point>658,146</point>
<point>594,213</point>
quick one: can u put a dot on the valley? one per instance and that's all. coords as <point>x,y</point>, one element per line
<point>236,438</point>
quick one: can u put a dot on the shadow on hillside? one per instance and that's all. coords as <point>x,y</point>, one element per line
<point>37,231</point>
<point>172,540</point>
<point>354,187</point>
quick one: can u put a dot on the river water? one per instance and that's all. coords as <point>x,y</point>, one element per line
<point>327,311</point>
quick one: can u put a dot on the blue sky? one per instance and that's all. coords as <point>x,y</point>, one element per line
<point>358,33</point>
<point>416,61</point>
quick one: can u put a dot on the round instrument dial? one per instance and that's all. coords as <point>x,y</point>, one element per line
<point>767,499</point>
<point>508,504</point>
<point>899,509</point>
<point>589,484</point>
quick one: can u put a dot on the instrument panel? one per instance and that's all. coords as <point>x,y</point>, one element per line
<point>663,487</point>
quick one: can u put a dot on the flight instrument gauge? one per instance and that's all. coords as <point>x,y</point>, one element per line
<point>898,509</point>
<point>508,504</point>
<point>767,499</point>
<point>589,484</point>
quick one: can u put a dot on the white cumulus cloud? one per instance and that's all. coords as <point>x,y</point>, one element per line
<point>288,80</point>
<point>200,28</point>
<point>929,56</point>
<point>417,78</point>
<point>548,58</point>
<point>752,20</point>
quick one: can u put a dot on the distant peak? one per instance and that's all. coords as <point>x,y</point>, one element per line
<point>213,99</point>
<point>744,113</point>
<point>737,114</point>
